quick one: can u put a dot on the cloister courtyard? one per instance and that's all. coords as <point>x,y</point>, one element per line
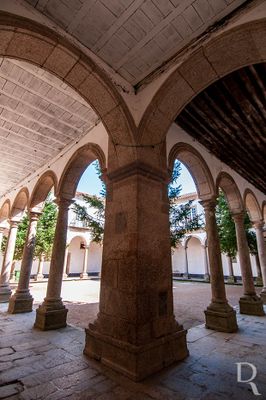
<point>51,365</point>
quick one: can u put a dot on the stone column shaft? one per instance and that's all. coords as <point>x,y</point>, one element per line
<point>219,314</point>
<point>231,277</point>
<point>135,331</point>
<point>84,273</point>
<point>5,291</point>
<point>262,256</point>
<point>206,264</point>
<point>65,264</point>
<point>22,300</point>
<point>250,303</point>
<point>186,275</point>
<point>39,275</point>
<point>52,313</point>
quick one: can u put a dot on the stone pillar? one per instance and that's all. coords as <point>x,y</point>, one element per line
<point>231,276</point>
<point>220,316</point>
<point>259,281</point>
<point>206,264</point>
<point>185,274</point>
<point>2,229</point>
<point>262,256</point>
<point>5,291</point>
<point>84,274</point>
<point>52,313</point>
<point>135,332</point>
<point>250,303</point>
<point>39,275</point>
<point>65,263</point>
<point>22,300</point>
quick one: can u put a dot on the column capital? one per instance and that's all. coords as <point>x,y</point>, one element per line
<point>34,215</point>
<point>239,217</point>
<point>63,202</point>
<point>13,222</point>
<point>209,204</point>
<point>138,168</point>
<point>258,224</point>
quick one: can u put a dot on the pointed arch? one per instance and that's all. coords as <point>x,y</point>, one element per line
<point>42,188</point>
<point>230,189</point>
<point>75,167</point>
<point>20,203</point>
<point>252,206</point>
<point>5,211</point>
<point>197,167</point>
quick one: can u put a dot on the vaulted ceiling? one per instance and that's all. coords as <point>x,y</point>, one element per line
<point>229,118</point>
<point>135,37</point>
<point>39,116</point>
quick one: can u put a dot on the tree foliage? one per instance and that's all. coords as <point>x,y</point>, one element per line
<point>93,212</point>
<point>44,235</point>
<point>181,219</point>
<point>227,231</point>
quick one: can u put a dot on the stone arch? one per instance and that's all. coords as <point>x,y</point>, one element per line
<point>238,47</point>
<point>5,211</point>
<point>42,188</point>
<point>264,211</point>
<point>197,167</point>
<point>75,167</point>
<point>187,239</point>
<point>33,42</point>
<point>252,206</point>
<point>20,203</point>
<point>230,189</point>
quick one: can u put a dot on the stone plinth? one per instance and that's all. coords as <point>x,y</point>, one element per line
<point>136,362</point>
<point>221,317</point>
<point>51,317</point>
<point>251,305</point>
<point>20,302</point>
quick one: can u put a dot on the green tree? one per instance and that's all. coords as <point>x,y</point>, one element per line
<point>181,219</point>
<point>227,231</point>
<point>46,230</point>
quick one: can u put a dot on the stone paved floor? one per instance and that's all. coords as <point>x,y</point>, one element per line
<point>50,365</point>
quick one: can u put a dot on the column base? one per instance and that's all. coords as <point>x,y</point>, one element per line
<point>84,276</point>
<point>186,276</point>
<point>207,278</point>
<point>65,276</point>
<point>231,279</point>
<point>251,305</point>
<point>263,296</point>
<point>136,362</point>
<point>258,281</point>
<point>39,277</point>
<point>20,303</point>
<point>221,317</point>
<point>48,319</point>
<point>5,293</point>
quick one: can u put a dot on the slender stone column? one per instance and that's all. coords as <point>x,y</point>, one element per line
<point>262,256</point>
<point>2,229</point>
<point>65,264</point>
<point>5,291</point>
<point>231,276</point>
<point>185,274</point>
<point>52,313</point>
<point>259,281</point>
<point>135,331</point>
<point>219,315</point>
<point>84,274</point>
<point>39,275</point>
<point>250,303</point>
<point>206,264</point>
<point>22,300</point>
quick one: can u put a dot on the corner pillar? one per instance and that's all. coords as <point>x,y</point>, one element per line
<point>52,313</point>
<point>135,332</point>
<point>5,291</point>
<point>262,256</point>
<point>250,303</point>
<point>220,316</point>
<point>22,300</point>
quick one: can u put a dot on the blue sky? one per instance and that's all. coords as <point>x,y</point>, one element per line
<point>90,183</point>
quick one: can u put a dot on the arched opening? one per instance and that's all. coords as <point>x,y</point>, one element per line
<point>195,258</point>
<point>252,206</point>
<point>76,255</point>
<point>20,204</point>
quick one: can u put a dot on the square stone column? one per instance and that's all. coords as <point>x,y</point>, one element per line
<point>136,332</point>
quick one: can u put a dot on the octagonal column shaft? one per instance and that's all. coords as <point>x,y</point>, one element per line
<point>250,303</point>
<point>135,331</point>
<point>52,313</point>
<point>5,291</point>
<point>262,256</point>
<point>22,300</point>
<point>219,315</point>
